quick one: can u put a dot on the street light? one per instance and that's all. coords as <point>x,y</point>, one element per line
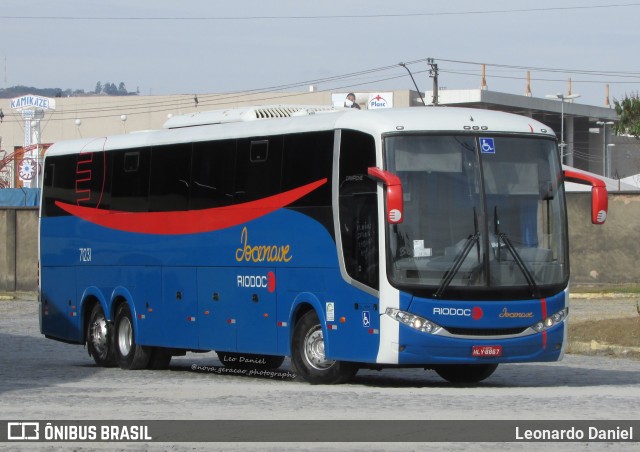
<point>414,82</point>
<point>604,124</point>
<point>562,98</point>
<point>78,124</point>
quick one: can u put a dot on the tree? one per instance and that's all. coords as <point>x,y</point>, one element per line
<point>110,89</point>
<point>122,91</point>
<point>628,110</point>
<point>98,89</point>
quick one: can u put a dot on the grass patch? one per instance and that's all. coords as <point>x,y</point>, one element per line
<point>625,332</point>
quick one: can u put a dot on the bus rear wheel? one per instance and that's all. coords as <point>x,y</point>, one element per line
<point>465,373</point>
<point>308,357</point>
<point>99,342</point>
<point>129,355</point>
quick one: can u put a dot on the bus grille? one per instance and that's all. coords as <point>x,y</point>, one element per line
<point>485,332</point>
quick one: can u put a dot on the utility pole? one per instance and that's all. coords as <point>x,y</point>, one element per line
<point>433,73</point>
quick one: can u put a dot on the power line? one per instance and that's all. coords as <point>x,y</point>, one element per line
<point>220,99</point>
<point>584,155</point>
<point>324,17</point>
<point>331,83</point>
<point>217,99</point>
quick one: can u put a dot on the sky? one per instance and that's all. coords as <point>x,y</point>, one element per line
<point>164,47</point>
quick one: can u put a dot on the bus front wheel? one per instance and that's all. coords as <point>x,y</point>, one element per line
<point>129,355</point>
<point>308,357</point>
<point>465,373</point>
<point>99,342</point>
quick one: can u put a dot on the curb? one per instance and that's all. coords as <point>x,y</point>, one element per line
<point>603,295</point>
<point>27,295</point>
<point>595,347</point>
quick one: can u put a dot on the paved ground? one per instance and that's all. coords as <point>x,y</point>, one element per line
<point>44,379</point>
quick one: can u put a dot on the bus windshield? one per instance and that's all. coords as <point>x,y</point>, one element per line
<point>484,216</point>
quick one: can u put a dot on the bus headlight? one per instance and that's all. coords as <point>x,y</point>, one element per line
<point>552,320</point>
<point>414,321</point>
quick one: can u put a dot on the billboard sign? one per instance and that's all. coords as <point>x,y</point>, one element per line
<point>33,102</point>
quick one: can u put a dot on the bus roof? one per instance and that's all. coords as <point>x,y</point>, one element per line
<point>246,122</point>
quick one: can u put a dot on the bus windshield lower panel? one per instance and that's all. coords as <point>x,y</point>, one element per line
<point>484,217</point>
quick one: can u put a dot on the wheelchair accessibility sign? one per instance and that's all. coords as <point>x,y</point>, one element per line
<point>487,146</point>
<point>366,319</point>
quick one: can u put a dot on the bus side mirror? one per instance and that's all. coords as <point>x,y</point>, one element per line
<point>599,195</point>
<point>395,212</point>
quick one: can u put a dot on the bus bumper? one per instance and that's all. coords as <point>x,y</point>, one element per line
<point>416,348</point>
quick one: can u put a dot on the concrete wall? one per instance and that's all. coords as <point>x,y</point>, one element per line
<point>624,157</point>
<point>19,249</point>
<point>607,254</point>
<point>600,255</point>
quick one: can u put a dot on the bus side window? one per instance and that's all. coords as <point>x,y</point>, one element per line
<point>212,174</point>
<point>130,180</point>
<point>358,206</point>
<point>170,178</point>
<point>59,184</point>
<point>259,168</point>
<point>307,158</point>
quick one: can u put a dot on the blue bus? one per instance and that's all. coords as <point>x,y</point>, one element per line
<point>419,237</point>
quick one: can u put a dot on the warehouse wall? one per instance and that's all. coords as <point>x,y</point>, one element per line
<point>600,255</point>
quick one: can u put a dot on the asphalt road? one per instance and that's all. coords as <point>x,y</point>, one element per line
<point>45,379</point>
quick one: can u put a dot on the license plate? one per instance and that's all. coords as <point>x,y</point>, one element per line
<point>486,351</point>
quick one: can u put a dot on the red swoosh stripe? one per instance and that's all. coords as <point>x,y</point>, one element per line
<point>188,221</point>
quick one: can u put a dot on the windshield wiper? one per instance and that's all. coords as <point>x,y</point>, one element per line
<point>460,257</point>
<point>502,237</point>
<point>457,263</point>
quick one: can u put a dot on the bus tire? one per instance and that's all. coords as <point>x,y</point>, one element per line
<point>160,359</point>
<point>99,341</point>
<point>129,355</point>
<point>465,373</point>
<point>308,358</point>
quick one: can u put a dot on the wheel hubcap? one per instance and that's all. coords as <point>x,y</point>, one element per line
<point>99,335</point>
<point>314,349</point>
<point>125,337</point>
